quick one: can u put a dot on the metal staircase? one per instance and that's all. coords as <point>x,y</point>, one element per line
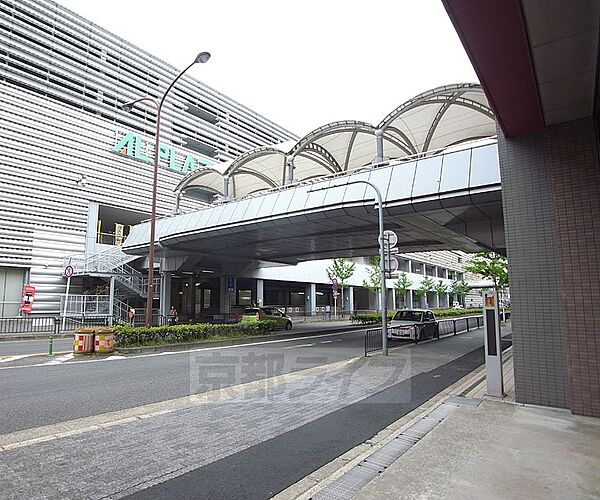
<point>94,306</point>
<point>109,263</point>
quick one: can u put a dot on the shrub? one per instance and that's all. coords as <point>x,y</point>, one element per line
<point>128,336</point>
<point>369,318</point>
<point>445,313</point>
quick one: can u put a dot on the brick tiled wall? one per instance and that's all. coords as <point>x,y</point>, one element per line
<point>551,198</point>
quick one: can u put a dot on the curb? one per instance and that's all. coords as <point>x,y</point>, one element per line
<point>239,341</point>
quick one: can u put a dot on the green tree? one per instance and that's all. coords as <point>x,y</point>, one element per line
<point>490,265</point>
<point>426,286</point>
<point>440,288</point>
<point>402,285</point>
<point>373,283</point>
<point>460,288</point>
<point>341,270</point>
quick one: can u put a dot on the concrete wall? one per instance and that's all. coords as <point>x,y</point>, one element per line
<point>551,199</point>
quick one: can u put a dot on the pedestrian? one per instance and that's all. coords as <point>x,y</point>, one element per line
<point>131,316</point>
<point>172,316</point>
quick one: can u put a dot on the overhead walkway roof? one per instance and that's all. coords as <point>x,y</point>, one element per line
<point>435,119</point>
<point>433,201</point>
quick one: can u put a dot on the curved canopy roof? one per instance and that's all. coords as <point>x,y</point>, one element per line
<point>435,119</point>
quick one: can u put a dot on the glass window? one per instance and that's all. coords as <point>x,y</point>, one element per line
<point>455,171</point>
<point>207,298</point>
<point>417,267</point>
<point>485,168</point>
<point>415,316</point>
<point>244,297</point>
<point>427,176</point>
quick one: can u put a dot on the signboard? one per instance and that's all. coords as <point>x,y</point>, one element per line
<point>134,146</point>
<point>334,285</point>
<point>493,348</point>
<point>119,234</point>
<point>231,283</point>
<point>68,272</point>
<point>390,239</point>
<point>27,300</point>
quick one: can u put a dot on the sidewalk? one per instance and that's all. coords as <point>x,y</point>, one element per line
<point>483,448</point>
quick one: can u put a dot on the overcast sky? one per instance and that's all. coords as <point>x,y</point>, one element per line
<point>300,64</point>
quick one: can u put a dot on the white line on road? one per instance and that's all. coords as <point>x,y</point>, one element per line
<point>327,342</point>
<point>301,345</point>
<point>173,353</point>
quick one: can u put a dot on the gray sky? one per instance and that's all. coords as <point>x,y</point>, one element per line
<point>300,64</point>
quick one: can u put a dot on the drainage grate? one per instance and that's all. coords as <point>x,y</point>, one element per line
<point>354,480</point>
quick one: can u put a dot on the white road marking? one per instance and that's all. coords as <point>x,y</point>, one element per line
<point>327,342</point>
<point>174,353</point>
<point>15,358</point>
<point>301,345</point>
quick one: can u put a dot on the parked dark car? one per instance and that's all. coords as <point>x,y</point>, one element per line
<point>414,324</point>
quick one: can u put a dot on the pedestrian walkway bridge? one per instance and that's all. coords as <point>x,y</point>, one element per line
<point>440,200</point>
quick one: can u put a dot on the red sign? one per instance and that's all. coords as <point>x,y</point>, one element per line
<point>27,301</point>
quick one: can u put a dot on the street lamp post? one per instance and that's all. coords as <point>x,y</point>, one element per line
<point>202,57</point>
<point>384,330</point>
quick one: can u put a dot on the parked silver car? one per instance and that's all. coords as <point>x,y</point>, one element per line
<point>414,324</point>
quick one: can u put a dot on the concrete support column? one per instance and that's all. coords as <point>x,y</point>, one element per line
<point>165,293</point>
<point>393,301</point>
<point>311,299</point>
<point>378,146</point>
<point>290,170</point>
<point>92,228</point>
<point>436,301</point>
<point>260,293</point>
<point>226,189</point>
<point>350,293</point>
<point>111,301</point>
<point>225,296</point>
<point>409,299</point>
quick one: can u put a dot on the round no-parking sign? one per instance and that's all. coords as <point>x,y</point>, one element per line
<point>68,271</point>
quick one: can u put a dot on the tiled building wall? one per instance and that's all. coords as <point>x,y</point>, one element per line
<point>551,198</point>
<point>573,158</point>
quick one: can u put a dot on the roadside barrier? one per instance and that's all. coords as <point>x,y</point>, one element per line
<point>396,337</point>
<point>104,341</point>
<point>83,340</point>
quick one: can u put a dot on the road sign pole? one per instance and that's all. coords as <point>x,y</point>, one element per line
<point>64,318</point>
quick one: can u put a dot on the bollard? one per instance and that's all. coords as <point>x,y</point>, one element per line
<point>51,338</point>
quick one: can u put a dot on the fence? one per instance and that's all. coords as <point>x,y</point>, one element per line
<point>373,336</point>
<point>66,324</point>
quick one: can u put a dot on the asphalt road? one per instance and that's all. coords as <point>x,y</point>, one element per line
<point>246,446</point>
<point>35,346</point>
<point>41,394</point>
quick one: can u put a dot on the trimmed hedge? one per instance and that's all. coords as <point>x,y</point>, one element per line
<point>445,313</point>
<point>375,318</point>
<point>128,336</point>
<point>369,318</point>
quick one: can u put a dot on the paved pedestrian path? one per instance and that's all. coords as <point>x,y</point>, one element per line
<point>487,447</point>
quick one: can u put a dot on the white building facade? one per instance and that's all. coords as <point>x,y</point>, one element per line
<point>76,175</point>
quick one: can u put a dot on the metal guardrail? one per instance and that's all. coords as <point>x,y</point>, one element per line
<point>67,324</point>
<point>453,326</point>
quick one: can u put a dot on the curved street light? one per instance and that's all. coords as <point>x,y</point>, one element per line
<point>382,289</point>
<point>201,58</point>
